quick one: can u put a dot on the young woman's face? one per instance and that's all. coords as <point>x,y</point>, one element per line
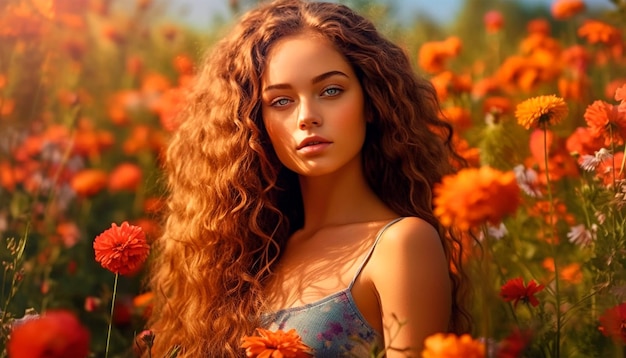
<point>312,106</point>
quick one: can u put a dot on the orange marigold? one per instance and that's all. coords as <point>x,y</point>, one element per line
<point>442,345</point>
<point>540,111</point>
<point>89,182</point>
<point>459,117</point>
<point>474,196</point>
<point>564,9</point>
<point>605,121</point>
<point>599,32</point>
<point>125,177</point>
<point>276,344</point>
<point>121,249</point>
<point>432,56</point>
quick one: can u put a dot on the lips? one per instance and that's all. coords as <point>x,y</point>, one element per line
<point>310,141</point>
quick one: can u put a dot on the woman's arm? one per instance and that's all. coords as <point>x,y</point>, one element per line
<point>410,274</point>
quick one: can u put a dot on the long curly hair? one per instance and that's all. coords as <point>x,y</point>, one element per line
<point>231,203</point>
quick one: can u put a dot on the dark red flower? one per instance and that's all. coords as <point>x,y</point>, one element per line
<point>613,323</point>
<point>56,334</point>
<point>122,249</point>
<point>515,290</point>
<point>514,344</point>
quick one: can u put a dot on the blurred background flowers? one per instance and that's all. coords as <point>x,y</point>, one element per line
<point>89,90</point>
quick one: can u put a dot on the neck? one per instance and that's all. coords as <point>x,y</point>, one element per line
<point>342,197</point>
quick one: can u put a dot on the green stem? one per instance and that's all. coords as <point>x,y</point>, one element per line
<point>106,350</point>
<point>557,346</point>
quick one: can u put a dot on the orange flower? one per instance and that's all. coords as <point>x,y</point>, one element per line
<point>469,153</point>
<point>608,171</point>
<point>433,55</point>
<point>69,233</point>
<point>121,104</point>
<point>89,182</point>
<point>560,161</point>
<point>575,90</point>
<point>538,26</point>
<point>447,83</point>
<point>577,58</point>
<point>620,95</point>
<point>570,273</point>
<point>474,196</point>
<point>599,32</point>
<point>459,117</point>
<point>183,65</point>
<point>605,121</point>
<point>541,111</point>
<point>541,209</point>
<point>497,105</point>
<point>20,21</point>
<point>564,9</point>
<point>168,106</point>
<point>580,142</point>
<point>442,345</point>
<point>276,344</point>
<point>515,290</point>
<point>55,334</point>
<point>126,176</point>
<point>121,249</point>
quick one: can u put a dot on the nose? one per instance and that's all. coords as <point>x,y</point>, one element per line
<point>308,115</point>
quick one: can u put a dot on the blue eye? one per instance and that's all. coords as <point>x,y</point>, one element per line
<point>332,91</point>
<point>280,102</point>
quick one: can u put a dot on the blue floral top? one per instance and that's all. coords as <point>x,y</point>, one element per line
<point>332,326</point>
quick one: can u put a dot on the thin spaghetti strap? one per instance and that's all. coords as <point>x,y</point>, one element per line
<point>367,257</point>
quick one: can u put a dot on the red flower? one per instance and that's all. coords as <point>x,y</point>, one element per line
<point>121,249</point>
<point>613,321</point>
<point>493,21</point>
<point>514,344</point>
<point>515,290</point>
<point>275,345</point>
<point>56,334</point>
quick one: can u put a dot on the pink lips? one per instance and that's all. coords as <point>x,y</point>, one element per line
<point>313,144</point>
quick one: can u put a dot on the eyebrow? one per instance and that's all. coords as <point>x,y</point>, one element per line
<point>315,80</point>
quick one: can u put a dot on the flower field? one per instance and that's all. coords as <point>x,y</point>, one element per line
<point>89,92</point>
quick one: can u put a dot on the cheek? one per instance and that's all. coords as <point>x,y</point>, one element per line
<point>352,116</point>
<point>278,135</point>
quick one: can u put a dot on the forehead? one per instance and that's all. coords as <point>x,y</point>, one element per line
<point>302,55</point>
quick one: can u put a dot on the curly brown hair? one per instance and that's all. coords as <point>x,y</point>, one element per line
<point>232,205</point>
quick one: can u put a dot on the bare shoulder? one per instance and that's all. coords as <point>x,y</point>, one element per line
<point>409,272</point>
<point>412,234</point>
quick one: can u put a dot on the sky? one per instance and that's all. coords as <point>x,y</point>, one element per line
<point>202,12</point>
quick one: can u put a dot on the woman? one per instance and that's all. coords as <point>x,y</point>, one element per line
<point>300,194</point>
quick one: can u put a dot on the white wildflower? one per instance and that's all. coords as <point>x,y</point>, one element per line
<point>497,232</point>
<point>528,181</point>
<point>579,235</point>
<point>600,216</point>
<point>591,162</point>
